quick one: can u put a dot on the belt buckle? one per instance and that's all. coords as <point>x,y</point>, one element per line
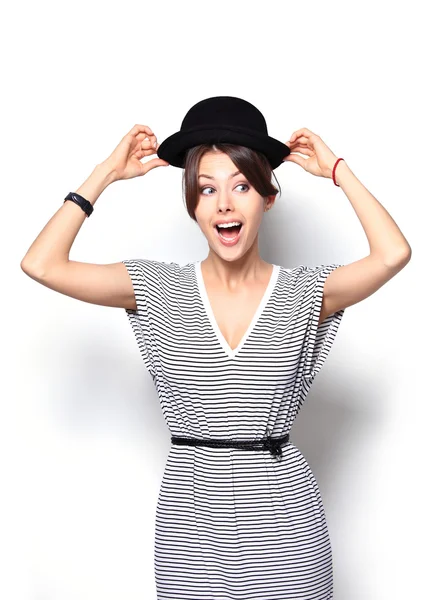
<point>272,445</point>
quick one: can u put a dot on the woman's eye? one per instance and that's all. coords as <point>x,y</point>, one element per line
<point>206,188</point>
<point>210,188</point>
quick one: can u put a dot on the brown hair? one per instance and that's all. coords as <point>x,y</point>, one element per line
<point>253,164</point>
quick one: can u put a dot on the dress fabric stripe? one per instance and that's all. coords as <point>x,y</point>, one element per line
<point>234,524</point>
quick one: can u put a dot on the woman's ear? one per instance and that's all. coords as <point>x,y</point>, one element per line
<point>270,201</point>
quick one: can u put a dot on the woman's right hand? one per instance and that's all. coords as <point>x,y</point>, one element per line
<point>125,161</point>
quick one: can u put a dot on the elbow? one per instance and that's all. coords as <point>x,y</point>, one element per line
<point>399,259</point>
<point>30,269</point>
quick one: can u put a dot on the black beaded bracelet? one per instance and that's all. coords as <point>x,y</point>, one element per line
<point>82,202</point>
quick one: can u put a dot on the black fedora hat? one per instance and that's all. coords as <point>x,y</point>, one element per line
<point>222,119</point>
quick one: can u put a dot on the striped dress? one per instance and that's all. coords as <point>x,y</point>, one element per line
<point>234,524</point>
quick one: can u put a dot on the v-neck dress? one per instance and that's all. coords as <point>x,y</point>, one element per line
<point>235,524</point>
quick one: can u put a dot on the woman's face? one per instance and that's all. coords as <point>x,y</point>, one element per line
<point>223,196</point>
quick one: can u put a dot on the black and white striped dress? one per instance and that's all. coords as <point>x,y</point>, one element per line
<point>234,524</point>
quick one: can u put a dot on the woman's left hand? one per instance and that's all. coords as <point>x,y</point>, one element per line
<point>321,159</point>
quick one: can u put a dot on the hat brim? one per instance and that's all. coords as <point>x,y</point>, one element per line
<point>173,149</point>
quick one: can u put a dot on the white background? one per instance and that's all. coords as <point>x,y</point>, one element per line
<point>83,442</point>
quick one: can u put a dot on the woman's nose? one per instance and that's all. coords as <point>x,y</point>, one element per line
<point>224,199</point>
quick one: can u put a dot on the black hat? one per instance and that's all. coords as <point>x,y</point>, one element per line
<point>222,119</point>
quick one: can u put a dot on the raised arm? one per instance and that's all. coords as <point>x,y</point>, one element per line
<point>47,260</point>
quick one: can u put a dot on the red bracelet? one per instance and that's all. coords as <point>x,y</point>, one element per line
<point>334,168</point>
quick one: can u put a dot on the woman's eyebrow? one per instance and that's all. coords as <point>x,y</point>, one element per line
<point>210,177</point>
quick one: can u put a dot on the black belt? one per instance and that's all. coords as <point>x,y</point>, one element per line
<point>273,444</point>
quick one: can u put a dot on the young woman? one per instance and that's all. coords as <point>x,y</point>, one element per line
<point>233,344</point>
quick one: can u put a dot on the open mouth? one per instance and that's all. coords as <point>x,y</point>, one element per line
<point>228,235</point>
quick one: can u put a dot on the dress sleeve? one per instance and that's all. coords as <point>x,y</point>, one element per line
<point>318,339</point>
<point>144,276</point>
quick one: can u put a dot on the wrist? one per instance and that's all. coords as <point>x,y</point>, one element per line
<point>341,170</point>
<point>106,172</point>
<point>329,171</point>
<point>98,180</point>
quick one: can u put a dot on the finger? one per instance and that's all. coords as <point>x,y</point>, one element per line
<point>144,144</point>
<point>149,144</point>
<point>141,149</point>
<point>306,151</point>
<point>296,159</point>
<point>304,148</point>
<point>295,135</point>
<point>139,130</point>
<point>151,164</point>
<point>142,136</point>
<point>145,149</point>
<point>301,139</point>
<point>140,153</point>
<point>303,142</point>
<point>304,131</point>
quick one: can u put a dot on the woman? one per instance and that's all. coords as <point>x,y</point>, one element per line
<point>233,344</point>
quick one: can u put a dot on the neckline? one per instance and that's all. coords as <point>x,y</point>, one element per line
<point>232,353</point>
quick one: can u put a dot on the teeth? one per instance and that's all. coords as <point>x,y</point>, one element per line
<point>232,224</point>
